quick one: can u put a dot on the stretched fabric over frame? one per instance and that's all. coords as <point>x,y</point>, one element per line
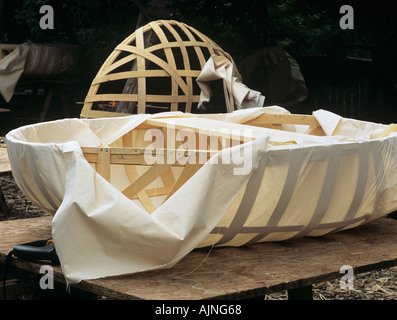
<point>292,185</point>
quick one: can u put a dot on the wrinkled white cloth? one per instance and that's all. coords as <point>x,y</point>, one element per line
<point>98,231</point>
<point>11,69</point>
<point>237,95</point>
<point>335,125</point>
<point>35,59</point>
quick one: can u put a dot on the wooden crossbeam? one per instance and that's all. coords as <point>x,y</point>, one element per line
<point>136,156</point>
<point>131,157</point>
<point>132,174</point>
<point>142,195</point>
<point>275,121</point>
<point>103,158</point>
<point>145,179</point>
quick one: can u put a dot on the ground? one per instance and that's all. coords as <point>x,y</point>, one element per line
<point>377,285</point>
<point>19,206</point>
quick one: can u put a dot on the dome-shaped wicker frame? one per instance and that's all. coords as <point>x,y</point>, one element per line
<point>173,40</point>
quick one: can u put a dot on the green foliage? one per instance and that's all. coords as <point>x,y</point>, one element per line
<point>101,25</point>
<point>98,25</point>
<point>27,16</point>
<point>237,26</point>
<point>301,27</point>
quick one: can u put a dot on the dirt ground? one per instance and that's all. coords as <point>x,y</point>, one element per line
<point>376,285</point>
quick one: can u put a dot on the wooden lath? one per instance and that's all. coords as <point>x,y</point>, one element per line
<point>103,158</point>
<point>170,35</point>
<point>275,121</point>
<point>6,48</point>
<point>132,174</point>
<point>133,157</point>
<point>187,173</point>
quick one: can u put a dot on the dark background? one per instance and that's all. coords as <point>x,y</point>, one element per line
<point>350,72</point>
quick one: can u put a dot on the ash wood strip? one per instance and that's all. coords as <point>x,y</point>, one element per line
<point>140,42</point>
<point>103,163</point>
<point>168,179</point>
<point>132,175</point>
<point>136,156</point>
<point>114,66</point>
<point>181,93</point>
<point>201,126</point>
<point>170,59</point>
<point>161,63</point>
<point>283,119</point>
<point>133,97</point>
<point>92,114</point>
<point>129,74</point>
<point>186,174</point>
<point>186,63</point>
<point>160,191</point>
<point>316,131</point>
<point>197,46</point>
<point>141,195</point>
<point>276,120</point>
<point>145,179</point>
<point>145,73</point>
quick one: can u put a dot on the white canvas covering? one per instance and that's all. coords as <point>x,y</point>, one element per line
<point>295,185</point>
<point>32,59</point>
<point>237,95</point>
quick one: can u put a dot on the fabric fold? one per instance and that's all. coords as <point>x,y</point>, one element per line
<point>237,95</point>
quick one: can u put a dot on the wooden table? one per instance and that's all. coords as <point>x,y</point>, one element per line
<point>233,273</point>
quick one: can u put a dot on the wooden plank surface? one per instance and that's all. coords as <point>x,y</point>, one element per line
<point>233,273</point>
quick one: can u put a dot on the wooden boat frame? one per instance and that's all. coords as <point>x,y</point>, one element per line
<point>132,157</point>
<point>172,35</point>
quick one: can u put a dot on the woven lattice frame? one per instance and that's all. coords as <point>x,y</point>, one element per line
<point>175,59</point>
